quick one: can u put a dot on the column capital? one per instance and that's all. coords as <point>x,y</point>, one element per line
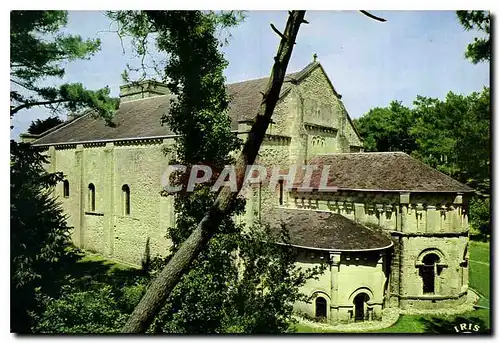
<point>335,257</point>
<point>404,198</point>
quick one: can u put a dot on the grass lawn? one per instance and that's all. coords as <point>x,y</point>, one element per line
<point>109,266</point>
<point>93,267</point>
<point>479,269</point>
<point>479,280</point>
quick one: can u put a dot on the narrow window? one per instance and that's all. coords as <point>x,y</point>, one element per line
<point>126,199</point>
<point>66,188</point>
<point>91,197</point>
<point>280,182</point>
<point>429,272</point>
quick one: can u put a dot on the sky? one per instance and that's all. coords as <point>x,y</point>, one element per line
<point>369,63</point>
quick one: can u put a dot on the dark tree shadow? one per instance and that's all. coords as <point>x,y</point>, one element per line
<point>85,274</point>
<point>457,325</point>
<point>480,237</point>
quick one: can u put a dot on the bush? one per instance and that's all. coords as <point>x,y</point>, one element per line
<point>131,295</point>
<point>91,311</point>
<point>479,214</point>
<point>40,247</point>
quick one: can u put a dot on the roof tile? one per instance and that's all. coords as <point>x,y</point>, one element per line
<point>326,230</point>
<point>388,171</point>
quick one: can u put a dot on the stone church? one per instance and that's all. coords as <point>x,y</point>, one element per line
<point>394,234</point>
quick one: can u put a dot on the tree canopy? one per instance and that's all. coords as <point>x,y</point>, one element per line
<point>38,51</point>
<point>480,49</point>
<point>40,126</point>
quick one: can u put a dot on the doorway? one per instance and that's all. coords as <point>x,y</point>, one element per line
<point>360,306</point>
<point>320,307</point>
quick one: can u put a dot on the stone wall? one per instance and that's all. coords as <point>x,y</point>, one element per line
<point>419,223</point>
<point>318,122</point>
<point>347,275</point>
<point>108,229</point>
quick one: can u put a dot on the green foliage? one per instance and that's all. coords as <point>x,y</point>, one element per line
<point>254,292</point>
<point>479,212</point>
<point>40,244</point>
<point>38,50</point>
<point>479,270</point>
<point>387,129</point>
<point>40,126</point>
<point>96,297</point>
<point>480,49</point>
<point>94,310</point>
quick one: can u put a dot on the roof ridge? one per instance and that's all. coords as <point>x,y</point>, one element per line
<point>303,70</point>
<point>147,98</point>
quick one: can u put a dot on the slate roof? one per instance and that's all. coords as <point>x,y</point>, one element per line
<point>142,118</point>
<point>136,118</point>
<point>326,231</point>
<point>388,171</point>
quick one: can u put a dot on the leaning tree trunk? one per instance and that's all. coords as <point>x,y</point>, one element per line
<point>159,290</point>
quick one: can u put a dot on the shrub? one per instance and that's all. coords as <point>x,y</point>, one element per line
<point>91,311</point>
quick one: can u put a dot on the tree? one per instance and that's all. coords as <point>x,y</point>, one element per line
<point>38,51</point>
<point>172,28</point>
<point>444,130</point>
<point>40,126</point>
<point>387,129</point>
<point>39,244</point>
<point>480,49</point>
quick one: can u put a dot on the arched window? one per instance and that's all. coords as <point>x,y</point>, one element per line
<point>320,307</point>
<point>66,188</point>
<point>126,199</point>
<point>429,272</point>
<point>91,197</point>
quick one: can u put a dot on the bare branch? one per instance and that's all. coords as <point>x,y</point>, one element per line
<point>277,32</point>
<point>369,15</point>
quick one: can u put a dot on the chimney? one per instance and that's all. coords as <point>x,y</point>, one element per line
<point>142,89</point>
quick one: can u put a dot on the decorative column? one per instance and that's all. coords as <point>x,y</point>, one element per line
<point>431,221</point>
<point>79,236</point>
<point>420,223</point>
<point>109,195</point>
<point>380,214</point>
<point>404,201</point>
<point>443,218</point>
<point>334,282</point>
<point>52,159</point>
